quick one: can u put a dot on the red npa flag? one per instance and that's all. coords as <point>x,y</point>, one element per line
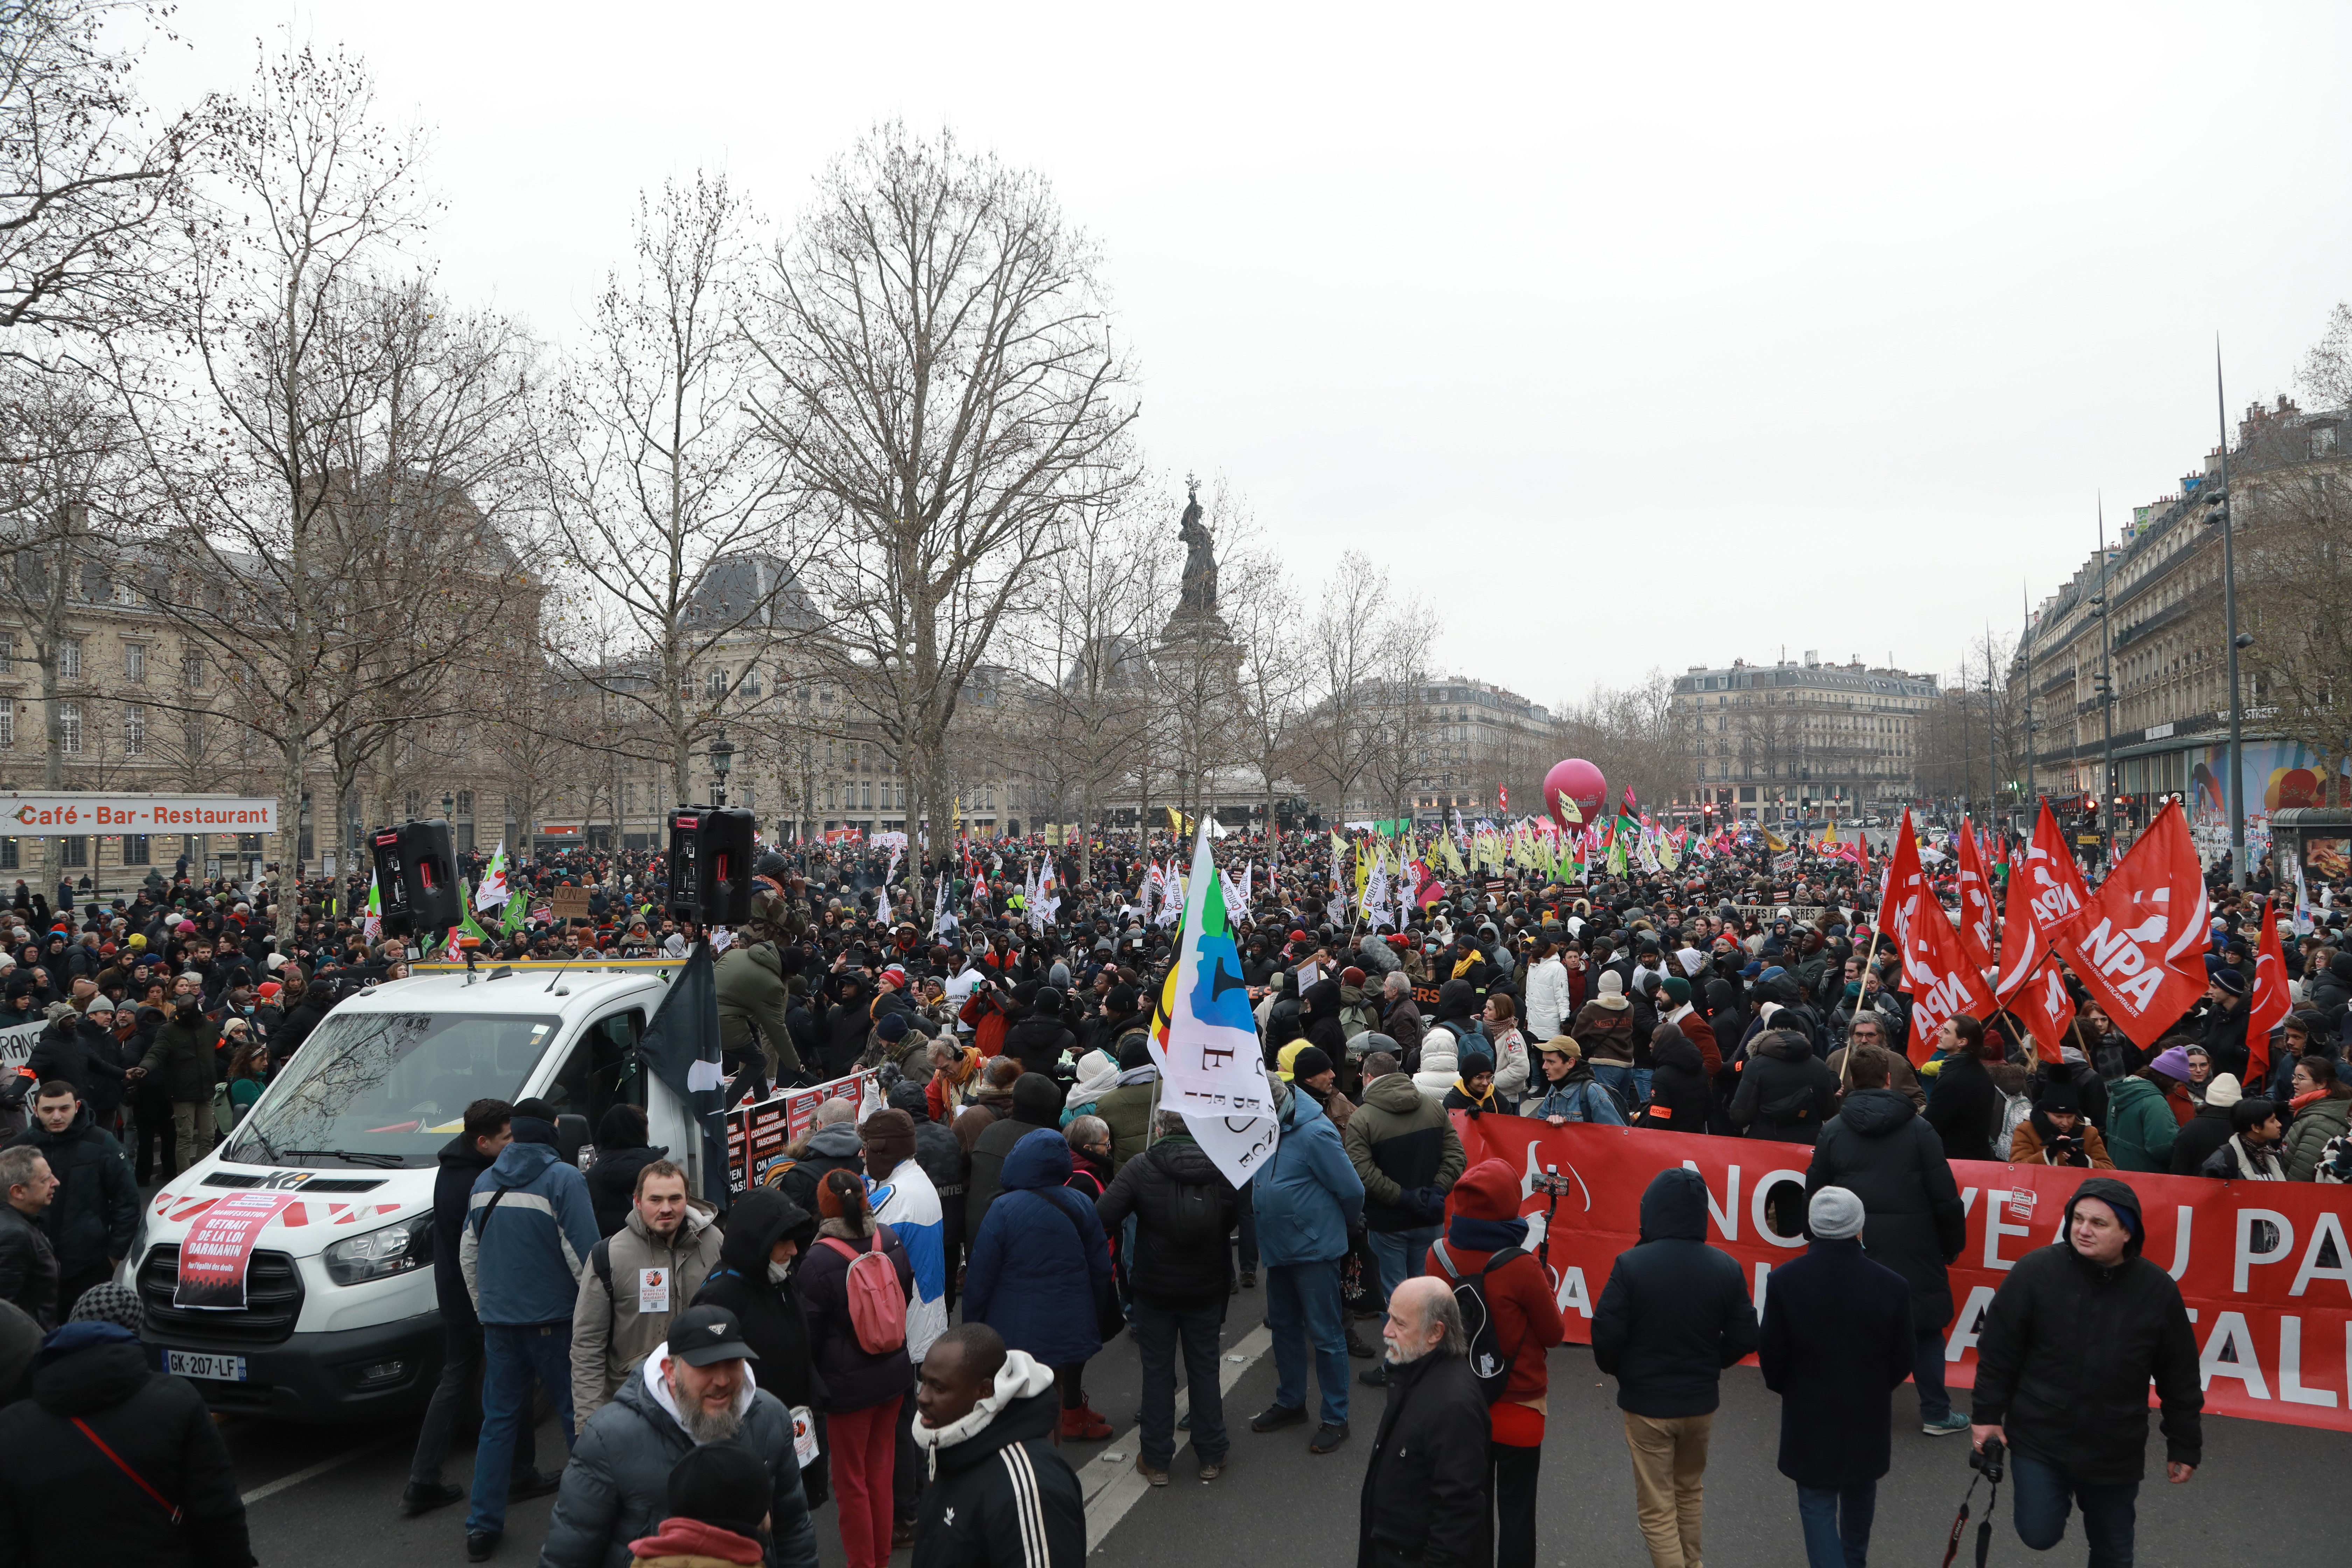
<point>2139,944</point>
<point>2023,945</point>
<point>2048,1009</point>
<point>1940,977</point>
<point>1905,885</point>
<point>1976,899</point>
<point>2053,883</point>
<point>2268,1003</point>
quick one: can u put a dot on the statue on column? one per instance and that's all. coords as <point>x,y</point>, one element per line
<point>1198,596</point>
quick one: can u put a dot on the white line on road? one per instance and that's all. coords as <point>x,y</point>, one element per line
<point>1109,1497</point>
<point>271,1488</point>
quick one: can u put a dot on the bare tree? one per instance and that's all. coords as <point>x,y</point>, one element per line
<point>1272,684</point>
<point>1089,707</point>
<point>945,387</point>
<point>1345,649</point>
<point>85,181</point>
<point>2294,568</point>
<point>655,473</point>
<point>1397,732</point>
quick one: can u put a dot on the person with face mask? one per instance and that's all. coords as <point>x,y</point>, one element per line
<point>766,1234</point>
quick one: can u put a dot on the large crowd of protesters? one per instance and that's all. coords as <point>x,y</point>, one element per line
<point>929,1280</point>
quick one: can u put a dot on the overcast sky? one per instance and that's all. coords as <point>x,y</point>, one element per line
<point>1637,341</point>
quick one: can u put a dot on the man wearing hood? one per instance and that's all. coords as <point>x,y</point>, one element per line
<point>999,1492</point>
<point>521,1263</point>
<point>1039,1038</point>
<point>1880,1149</point>
<point>753,1007</point>
<point>697,1391</point>
<point>1041,1271</point>
<point>2069,1346</point>
<point>754,1282</point>
<point>98,1406</point>
<point>1785,1094</point>
<point>1674,1313</point>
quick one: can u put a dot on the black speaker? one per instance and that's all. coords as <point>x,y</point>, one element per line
<point>416,878</point>
<point>684,864</point>
<point>437,898</point>
<point>710,860</point>
<point>391,880</point>
<point>726,857</point>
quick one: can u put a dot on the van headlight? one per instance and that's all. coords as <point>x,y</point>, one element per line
<point>380,1254</point>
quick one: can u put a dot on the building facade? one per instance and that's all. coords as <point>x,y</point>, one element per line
<point>1804,739</point>
<point>2168,656</point>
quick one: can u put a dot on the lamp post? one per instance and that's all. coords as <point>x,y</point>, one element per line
<point>448,805</point>
<point>2107,703</point>
<point>722,757</point>
<point>2220,510</point>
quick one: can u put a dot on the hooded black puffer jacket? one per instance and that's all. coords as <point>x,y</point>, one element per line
<point>1785,1094</point>
<point>2068,1348</point>
<point>1878,1149</point>
<point>1676,1311</point>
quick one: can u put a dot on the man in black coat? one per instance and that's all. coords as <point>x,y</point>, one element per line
<point>1785,1094</point>
<point>1877,1148</point>
<point>64,1501</point>
<point>1039,1038</point>
<point>1179,1272</point>
<point>2069,1346</point>
<point>96,1212</point>
<point>1837,1343</point>
<point>999,1491</point>
<point>487,1130</point>
<point>1960,1105</point>
<point>1424,1496</point>
<point>77,1049</point>
<point>1674,1313</point>
<point>28,1264</point>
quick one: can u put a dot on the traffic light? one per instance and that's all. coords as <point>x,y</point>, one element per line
<point>416,878</point>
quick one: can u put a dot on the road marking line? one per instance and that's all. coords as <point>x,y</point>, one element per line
<point>1110,1497</point>
<point>271,1488</point>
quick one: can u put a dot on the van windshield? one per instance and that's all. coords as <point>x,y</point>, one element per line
<point>389,1088</point>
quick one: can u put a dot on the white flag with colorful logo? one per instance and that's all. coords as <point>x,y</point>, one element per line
<point>494,890</point>
<point>1205,1037</point>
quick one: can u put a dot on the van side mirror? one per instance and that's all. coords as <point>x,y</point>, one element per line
<point>571,1133</point>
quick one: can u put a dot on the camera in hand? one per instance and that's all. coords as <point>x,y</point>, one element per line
<point>1987,1460</point>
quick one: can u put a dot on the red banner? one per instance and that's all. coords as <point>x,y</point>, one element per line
<point>218,1246</point>
<point>2264,1267</point>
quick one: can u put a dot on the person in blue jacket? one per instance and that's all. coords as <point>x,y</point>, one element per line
<point>1040,1270</point>
<point>529,1228</point>
<point>1307,1198</point>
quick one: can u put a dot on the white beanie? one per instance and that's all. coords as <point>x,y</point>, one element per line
<point>1835,1214</point>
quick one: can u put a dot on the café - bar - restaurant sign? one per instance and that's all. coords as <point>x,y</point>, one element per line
<point>42,813</point>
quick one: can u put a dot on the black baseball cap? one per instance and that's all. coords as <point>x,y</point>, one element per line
<point>700,1335</point>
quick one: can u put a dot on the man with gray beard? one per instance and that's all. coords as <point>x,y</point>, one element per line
<point>697,1388</point>
<point>1424,1499</point>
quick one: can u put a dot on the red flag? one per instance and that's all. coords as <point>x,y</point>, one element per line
<point>2269,1002</point>
<point>2139,944</point>
<point>1937,974</point>
<point>2048,1008</point>
<point>1903,885</point>
<point>2023,945</point>
<point>2053,882</point>
<point>1976,901</point>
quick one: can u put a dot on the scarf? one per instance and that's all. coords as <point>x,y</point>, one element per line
<point>1473,1235</point>
<point>1478,1101</point>
<point>2301,1100</point>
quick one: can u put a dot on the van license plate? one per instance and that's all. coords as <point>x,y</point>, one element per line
<point>200,1364</point>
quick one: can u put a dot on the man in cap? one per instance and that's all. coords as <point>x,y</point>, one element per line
<point>696,1389</point>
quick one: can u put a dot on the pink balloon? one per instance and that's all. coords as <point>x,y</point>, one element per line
<point>1581,783</point>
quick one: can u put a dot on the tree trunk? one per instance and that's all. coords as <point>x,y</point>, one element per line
<point>1086,829</point>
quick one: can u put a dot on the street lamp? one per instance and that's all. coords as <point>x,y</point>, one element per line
<point>722,757</point>
<point>2220,510</point>
<point>448,805</point>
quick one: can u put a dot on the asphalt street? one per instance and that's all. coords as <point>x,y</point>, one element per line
<point>330,1496</point>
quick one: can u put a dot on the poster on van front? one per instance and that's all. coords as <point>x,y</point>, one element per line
<point>219,1245</point>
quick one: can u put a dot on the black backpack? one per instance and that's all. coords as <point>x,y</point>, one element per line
<point>1489,1363</point>
<point>1193,1221</point>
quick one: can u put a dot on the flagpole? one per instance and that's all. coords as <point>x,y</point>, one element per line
<point>2108,704</point>
<point>2237,791</point>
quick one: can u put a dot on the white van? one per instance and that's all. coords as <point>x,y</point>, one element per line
<point>340,1322</point>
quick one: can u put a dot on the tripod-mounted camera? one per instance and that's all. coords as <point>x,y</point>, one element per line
<point>1554,1187</point>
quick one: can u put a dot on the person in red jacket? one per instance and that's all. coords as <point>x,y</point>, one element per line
<point>1483,1219</point>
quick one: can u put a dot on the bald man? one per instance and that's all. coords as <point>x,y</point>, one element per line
<point>1425,1488</point>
